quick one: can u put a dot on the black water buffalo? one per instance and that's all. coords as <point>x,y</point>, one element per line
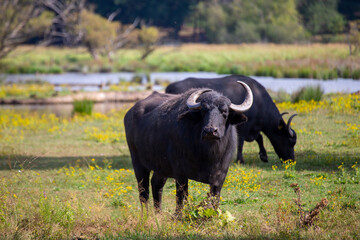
<point>185,136</point>
<point>263,115</point>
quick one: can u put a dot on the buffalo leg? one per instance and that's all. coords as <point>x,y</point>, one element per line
<point>181,194</point>
<point>142,177</point>
<point>157,184</point>
<point>215,195</point>
<point>240,158</point>
<point>262,153</point>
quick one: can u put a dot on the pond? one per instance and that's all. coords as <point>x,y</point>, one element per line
<point>93,81</point>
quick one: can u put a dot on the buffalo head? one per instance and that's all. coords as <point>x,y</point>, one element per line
<point>285,139</point>
<point>216,112</point>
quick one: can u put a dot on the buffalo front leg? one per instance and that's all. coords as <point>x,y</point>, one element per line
<point>181,194</point>
<point>157,185</point>
<point>215,196</point>
<point>262,152</point>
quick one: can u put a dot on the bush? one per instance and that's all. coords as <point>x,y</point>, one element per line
<point>356,74</point>
<point>346,73</point>
<point>305,73</point>
<point>270,71</point>
<point>290,73</point>
<point>83,107</point>
<point>55,69</point>
<point>308,93</point>
<point>148,37</point>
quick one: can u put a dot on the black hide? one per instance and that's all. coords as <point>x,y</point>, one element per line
<point>166,137</point>
<point>263,116</point>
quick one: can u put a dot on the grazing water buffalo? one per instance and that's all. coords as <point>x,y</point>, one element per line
<point>263,115</point>
<point>185,136</point>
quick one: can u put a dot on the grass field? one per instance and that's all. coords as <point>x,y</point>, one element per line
<point>71,178</point>
<point>322,61</point>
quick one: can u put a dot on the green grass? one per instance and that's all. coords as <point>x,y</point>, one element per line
<point>66,178</point>
<point>321,61</point>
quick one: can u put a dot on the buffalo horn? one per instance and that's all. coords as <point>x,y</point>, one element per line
<point>246,105</point>
<point>288,125</point>
<point>191,101</point>
<point>282,114</point>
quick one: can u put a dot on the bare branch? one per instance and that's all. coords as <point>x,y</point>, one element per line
<point>113,15</point>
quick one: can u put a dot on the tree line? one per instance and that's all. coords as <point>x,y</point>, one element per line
<point>236,21</point>
<point>105,26</point>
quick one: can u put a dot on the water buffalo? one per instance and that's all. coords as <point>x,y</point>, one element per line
<point>185,136</point>
<point>263,115</point>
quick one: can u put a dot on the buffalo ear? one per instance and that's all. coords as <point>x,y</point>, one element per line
<point>282,124</point>
<point>237,118</point>
<point>192,115</point>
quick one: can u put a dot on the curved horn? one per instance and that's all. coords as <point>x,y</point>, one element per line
<point>291,132</point>
<point>282,114</point>
<point>289,121</point>
<point>191,101</point>
<point>246,105</point>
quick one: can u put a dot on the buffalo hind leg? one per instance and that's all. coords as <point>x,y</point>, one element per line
<point>262,153</point>
<point>142,177</point>
<point>240,158</point>
<point>157,184</point>
<point>181,195</point>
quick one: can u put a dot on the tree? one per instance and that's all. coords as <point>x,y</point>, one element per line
<point>237,21</point>
<point>102,36</point>
<point>21,20</point>
<point>322,16</point>
<point>354,37</point>
<point>54,20</point>
<point>165,13</point>
<point>148,37</point>
<point>67,17</point>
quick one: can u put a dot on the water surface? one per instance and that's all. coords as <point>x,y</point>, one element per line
<point>93,81</point>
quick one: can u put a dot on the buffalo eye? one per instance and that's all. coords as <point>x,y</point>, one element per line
<point>224,112</point>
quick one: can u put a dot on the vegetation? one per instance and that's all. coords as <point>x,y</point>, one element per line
<point>148,37</point>
<point>238,22</point>
<point>304,61</point>
<point>309,93</point>
<point>83,107</point>
<point>21,20</point>
<point>234,21</point>
<point>26,90</point>
<point>66,178</point>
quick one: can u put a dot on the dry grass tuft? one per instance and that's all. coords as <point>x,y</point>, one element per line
<point>307,219</point>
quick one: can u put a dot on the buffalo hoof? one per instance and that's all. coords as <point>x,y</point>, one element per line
<point>263,157</point>
<point>240,161</point>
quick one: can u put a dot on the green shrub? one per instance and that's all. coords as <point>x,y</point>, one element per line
<point>304,73</point>
<point>333,74</point>
<point>314,74</point>
<point>346,73</point>
<point>268,71</point>
<point>290,73</point>
<point>280,96</point>
<point>356,74</point>
<point>83,107</point>
<point>55,69</point>
<point>308,93</point>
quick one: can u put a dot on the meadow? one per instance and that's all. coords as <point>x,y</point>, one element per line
<point>72,178</point>
<point>319,61</point>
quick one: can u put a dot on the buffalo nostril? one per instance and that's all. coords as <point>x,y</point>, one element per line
<point>210,130</point>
